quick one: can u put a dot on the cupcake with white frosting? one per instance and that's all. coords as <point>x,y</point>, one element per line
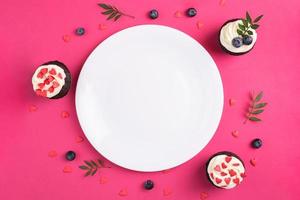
<point>51,80</point>
<point>225,170</point>
<point>238,36</point>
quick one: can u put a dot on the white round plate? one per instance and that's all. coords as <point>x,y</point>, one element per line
<point>149,98</point>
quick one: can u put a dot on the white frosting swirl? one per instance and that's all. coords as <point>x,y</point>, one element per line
<point>56,82</point>
<point>226,171</point>
<point>229,31</point>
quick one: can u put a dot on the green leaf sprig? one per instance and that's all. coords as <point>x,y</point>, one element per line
<point>92,167</point>
<point>255,108</point>
<point>112,12</point>
<point>244,28</point>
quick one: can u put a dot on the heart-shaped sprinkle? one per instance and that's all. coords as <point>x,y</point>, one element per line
<point>46,81</point>
<point>40,75</point>
<point>44,70</point>
<point>51,89</point>
<point>103,180</point>
<point>52,72</point>
<point>236,181</point>
<point>235,133</point>
<point>227,180</point>
<point>224,166</point>
<point>223,174</point>
<point>218,181</point>
<point>55,84</point>
<point>200,24</point>
<point>59,76</point>
<point>243,175</point>
<point>167,192</point>
<point>41,85</point>
<point>50,78</point>
<point>203,195</point>
<point>123,192</point>
<point>178,14</point>
<point>52,153</point>
<point>222,2</point>
<point>228,159</point>
<point>65,114</point>
<point>32,108</point>
<point>102,27</point>
<point>66,38</point>
<point>236,164</point>
<point>79,139</point>
<point>211,175</point>
<point>232,172</point>
<point>67,169</point>
<point>253,162</point>
<point>232,102</point>
<point>217,168</point>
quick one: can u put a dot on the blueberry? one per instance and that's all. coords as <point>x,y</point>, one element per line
<point>191,12</point>
<point>256,143</point>
<point>247,39</point>
<point>80,31</point>
<point>237,42</point>
<point>148,185</point>
<point>70,155</point>
<point>153,14</point>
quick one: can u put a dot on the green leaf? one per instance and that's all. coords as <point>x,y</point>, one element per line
<point>250,32</point>
<point>256,112</point>
<point>88,163</point>
<point>87,173</point>
<point>95,164</point>
<point>94,172</point>
<point>245,22</point>
<point>242,27</point>
<point>239,32</point>
<point>104,6</point>
<point>259,96</point>
<point>117,17</point>
<point>100,162</point>
<point>112,15</point>
<point>107,12</point>
<point>254,26</point>
<point>258,18</point>
<point>83,167</point>
<point>260,105</point>
<point>254,119</point>
<point>248,18</point>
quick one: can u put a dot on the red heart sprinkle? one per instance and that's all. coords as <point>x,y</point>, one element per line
<point>223,174</point>
<point>178,14</point>
<point>123,193</point>
<point>235,133</point>
<point>65,114</point>
<point>44,70</point>
<point>55,84</point>
<point>227,180</point>
<point>236,181</point>
<point>217,168</point>
<point>253,162</point>
<point>102,27</point>
<point>32,108</point>
<point>232,102</point>
<point>38,92</point>
<point>51,89</point>
<point>243,175</point>
<point>232,172</point>
<point>59,75</point>
<point>46,81</point>
<point>103,180</point>
<point>50,78</point>
<point>212,175</point>
<point>40,75</point>
<point>236,164</point>
<point>218,180</point>
<point>41,85</point>
<point>224,166</point>
<point>167,192</point>
<point>199,24</point>
<point>203,195</point>
<point>66,38</point>
<point>44,93</point>
<point>79,139</point>
<point>222,2</point>
<point>67,169</point>
<point>228,159</point>
<point>52,71</point>
<point>52,153</point>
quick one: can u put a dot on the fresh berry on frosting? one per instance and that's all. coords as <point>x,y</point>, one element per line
<point>225,170</point>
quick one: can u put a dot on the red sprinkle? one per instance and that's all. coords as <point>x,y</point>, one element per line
<point>44,93</point>
<point>102,27</point>
<point>32,108</point>
<point>167,192</point>
<point>212,176</point>
<point>55,84</point>
<point>217,168</point>
<point>65,114</point>
<point>50,78</point>
<point>46,81</point>
<point>52,72</point>
<point>60,76</point>
<point>236,164</point>
<point>232,102</point>
<point>224,166</point>
<point>253,162</point>
<point>178,14</point>
<point>79,139</point>
<point>40,75</point>
<point>103,180</point>
<point>123,193</point>
<point>228,159</point>
<point>52,153</point>
<point>66,38</point>
<point>67,169</point>
<point>236,181</point>
<point>218,180</point>
<point>222,2</point>
<point>223,174</point>
<point>243,175</point>
<point>44,70</point>
<point>232,172</point>
<point>235,133</point>
<point>51,89</point>
<point>203,195</point>
<point>41,85</point>
<point>199,24</point>
<point>227,180</point>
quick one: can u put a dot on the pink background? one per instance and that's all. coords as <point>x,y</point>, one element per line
<point>31,33</point>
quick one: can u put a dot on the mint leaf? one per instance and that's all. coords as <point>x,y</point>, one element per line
<point>254,26</point>
<point>242,27</point>
<point>248,18</point>
<point>258,18</point>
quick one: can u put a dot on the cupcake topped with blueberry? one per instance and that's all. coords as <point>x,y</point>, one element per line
<point>51,80</point>
<point>238,36</point>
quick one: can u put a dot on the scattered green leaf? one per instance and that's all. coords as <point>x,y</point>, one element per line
<point>113,12</point>
<point>255,119</point>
